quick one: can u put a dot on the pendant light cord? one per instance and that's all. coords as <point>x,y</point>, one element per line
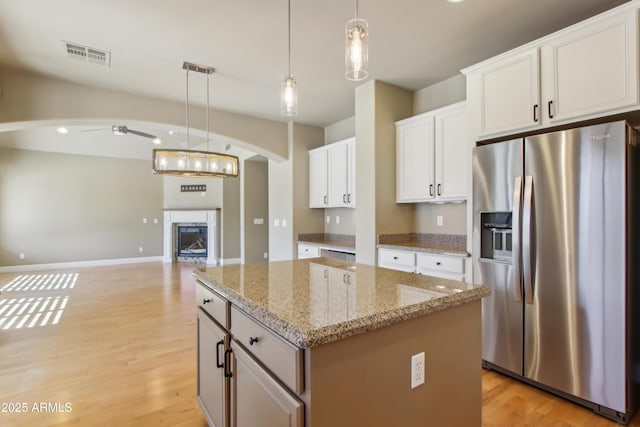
<point>208,111</point>
<point>187,109</point>
<point>356,12</point>
<point>289,18</point>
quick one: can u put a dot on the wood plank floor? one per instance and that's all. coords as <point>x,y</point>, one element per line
<point>115,346</point>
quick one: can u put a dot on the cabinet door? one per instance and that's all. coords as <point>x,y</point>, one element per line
<point>414,160</point>
<point>213,394</point>
<point>257,399</point>
<point>453,155</point>
<point>509,90</point>
<point>338,174</point>
<point>351,173</point>
<point>592,69</point>
<point>319,294</point>
<point>318,196</point>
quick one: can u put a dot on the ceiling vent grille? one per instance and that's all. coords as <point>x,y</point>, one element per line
<point>88,54</point>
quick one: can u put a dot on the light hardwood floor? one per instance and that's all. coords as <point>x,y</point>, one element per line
<point>122,353</point>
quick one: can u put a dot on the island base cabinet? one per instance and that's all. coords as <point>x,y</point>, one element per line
<point>213,388</point>
<point>365,380</point>
<point>257,399</point>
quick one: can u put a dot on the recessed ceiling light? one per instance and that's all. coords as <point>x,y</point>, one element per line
<point>455,1</point>
<point>62,130</point>
<point>173,132</point>
<point>157,141</point>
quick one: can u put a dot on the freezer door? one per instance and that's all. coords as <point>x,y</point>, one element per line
<point>574,230</point>
<point>497,170</point>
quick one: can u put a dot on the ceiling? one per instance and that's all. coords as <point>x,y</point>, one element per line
<point>413,44</point>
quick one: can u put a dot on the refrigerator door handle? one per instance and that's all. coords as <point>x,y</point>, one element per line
<point>516,233</point>
<point>526,238</point>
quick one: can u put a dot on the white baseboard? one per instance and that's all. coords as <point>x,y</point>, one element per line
<point>74,264</point>
<point>226,261</point>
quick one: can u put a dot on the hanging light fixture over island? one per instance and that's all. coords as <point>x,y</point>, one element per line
<point>356,54</point>
<point>195,163</point>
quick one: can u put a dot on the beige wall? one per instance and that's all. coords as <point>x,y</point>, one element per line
<point>449,91</point>
<point>256,205</point>
<point>378,106</point>
<point>175,199</point>
<point>454,218</point>
<point>64,208</point>
<point>341,130</point>
<point>231,219</point>
<point>37,99</point>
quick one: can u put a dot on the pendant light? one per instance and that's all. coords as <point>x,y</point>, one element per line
<point>194,163</point>
<point>288,86</point>
<point>356,57</point>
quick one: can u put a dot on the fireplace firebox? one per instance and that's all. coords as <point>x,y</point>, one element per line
<point>192,241</point>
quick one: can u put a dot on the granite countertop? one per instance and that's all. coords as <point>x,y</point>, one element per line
<point>295,299</point>
<point>329,240</point>
<point>442,244</point>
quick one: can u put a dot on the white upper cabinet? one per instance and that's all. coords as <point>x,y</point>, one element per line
<point>332,175</point>
<point>452,154</point>
<point>592,69</point>
<point>414,159</point>
<point>586,71</point>
<point>510,94</point>
<point>432,156</point>
<point>318,191</point>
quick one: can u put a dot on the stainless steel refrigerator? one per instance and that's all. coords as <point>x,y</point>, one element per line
<point>555,238</point>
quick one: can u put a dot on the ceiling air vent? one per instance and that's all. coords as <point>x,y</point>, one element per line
<point>88,54</point>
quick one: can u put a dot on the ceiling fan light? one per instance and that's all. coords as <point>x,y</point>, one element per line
<point>157,141</point>
<point>62,130</point>
<point>119,130</point>
<point>356,49</point>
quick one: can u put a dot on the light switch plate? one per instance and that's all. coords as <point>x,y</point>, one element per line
<point>258,221</point>
<point>276,223</point>
<point>439,220</point>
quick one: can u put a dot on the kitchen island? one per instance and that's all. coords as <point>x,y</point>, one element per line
<point>321,342</point>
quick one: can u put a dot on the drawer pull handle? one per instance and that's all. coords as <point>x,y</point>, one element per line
<point>438,263</point>
<point>253,340</point>
<point>205,301</point>
<point>218,364</point>
<point>227,363</point>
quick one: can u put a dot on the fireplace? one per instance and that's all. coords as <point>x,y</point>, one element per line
<point>191,236</point>
<point>192,241</point>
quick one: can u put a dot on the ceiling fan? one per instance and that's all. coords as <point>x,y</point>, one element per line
<point>124,130</point>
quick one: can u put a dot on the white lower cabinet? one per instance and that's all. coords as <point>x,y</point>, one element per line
<point>247,376</point>
<point>308,251</point>
<point>444,266</point>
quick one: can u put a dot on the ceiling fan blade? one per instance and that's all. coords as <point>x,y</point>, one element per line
<point>143,134</point>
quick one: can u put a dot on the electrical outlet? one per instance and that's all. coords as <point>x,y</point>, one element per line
<point>337,219</point>
<point>266,255</point>
<point>276,223</point>
<point>21,255</point>
<point>417,370</point>
<point>144,220</point>
<point>439,221</point>
<point>328,219</point>
<point>155,220</point>
<point>284,222</point>
<point>140,249</point>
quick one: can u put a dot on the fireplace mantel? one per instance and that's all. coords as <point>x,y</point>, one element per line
<point>185,216</point>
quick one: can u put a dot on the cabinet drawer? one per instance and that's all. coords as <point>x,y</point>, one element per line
<point>280,357</point>
<point>398,260</point>
<point>306,251</point>
<point>212,303</point>
<point>440,263</point>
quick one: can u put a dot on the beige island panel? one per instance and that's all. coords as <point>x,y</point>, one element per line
<point>357,327</point>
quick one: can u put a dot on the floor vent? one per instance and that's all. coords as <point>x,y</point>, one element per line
<point>88,54</point>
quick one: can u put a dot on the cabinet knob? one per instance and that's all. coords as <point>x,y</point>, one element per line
<point>205,301</point>
<point>438,263</point>
<point>395,257</point>
<point>253,340</point>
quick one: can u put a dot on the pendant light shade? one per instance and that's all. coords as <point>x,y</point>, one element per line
<point>356,48</point>
<point>288,85</point>
<point>194,163</point>
<point>288,96</point>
